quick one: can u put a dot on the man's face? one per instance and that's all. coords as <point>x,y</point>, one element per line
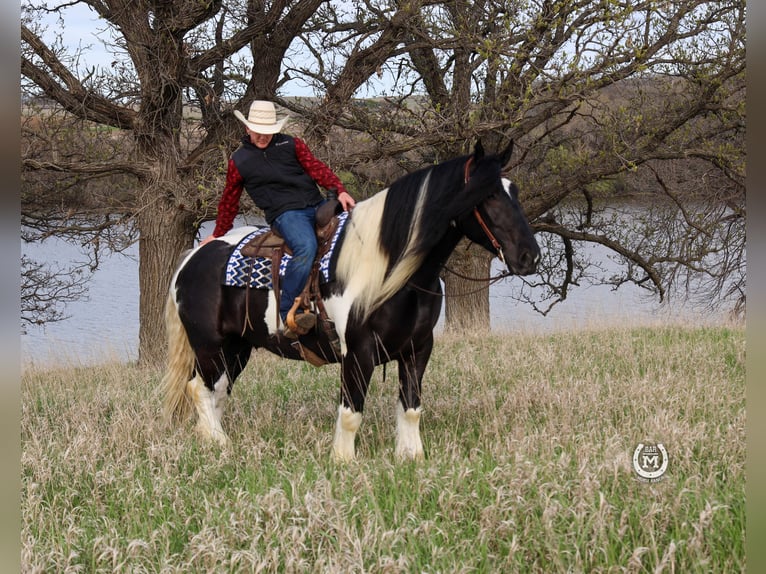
<point>261,141</point>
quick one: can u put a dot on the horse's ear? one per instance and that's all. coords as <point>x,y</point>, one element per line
<point>506,155</point>
<point>478,151</point>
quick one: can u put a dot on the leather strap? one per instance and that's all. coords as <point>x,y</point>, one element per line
<point>492,239</point>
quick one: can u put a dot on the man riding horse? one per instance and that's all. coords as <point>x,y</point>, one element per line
<point>381,292</point>
<point>280,174</point>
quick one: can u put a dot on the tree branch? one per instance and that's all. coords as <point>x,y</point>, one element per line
<point>112,167</point>
<point>72,95</point>
<point>645,265</point>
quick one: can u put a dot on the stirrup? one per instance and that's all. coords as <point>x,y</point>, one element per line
<point>301,323</point>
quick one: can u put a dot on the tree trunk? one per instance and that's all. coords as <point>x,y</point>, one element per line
<point>466,302</point>
<point>165,233</point>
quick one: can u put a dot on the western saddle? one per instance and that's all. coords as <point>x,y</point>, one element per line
<point>271,245</point>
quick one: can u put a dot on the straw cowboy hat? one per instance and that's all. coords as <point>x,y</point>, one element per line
<point>262,118</point>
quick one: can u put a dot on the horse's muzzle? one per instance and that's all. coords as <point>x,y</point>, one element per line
<point>526,262</point>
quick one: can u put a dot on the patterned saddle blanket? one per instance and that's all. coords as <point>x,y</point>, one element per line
<point>255,272</point>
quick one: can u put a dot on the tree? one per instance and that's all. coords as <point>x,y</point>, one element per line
<point>169,56</point>
<point>44,290</point>
<point>602,98</point>
<point>574,83</point>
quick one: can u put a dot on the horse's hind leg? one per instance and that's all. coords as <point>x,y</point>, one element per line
<point>212,384</point>
<point>209,405</point>
<point>412,365</point>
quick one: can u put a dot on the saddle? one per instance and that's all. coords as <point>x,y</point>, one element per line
<point>271,245</point>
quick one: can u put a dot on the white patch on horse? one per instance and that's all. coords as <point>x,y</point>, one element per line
<point>237,234</point>
<point>408,443</point>
<point>361,263</point>
<point>338,309</point>
<point>506,185</point>
<point>210,406</point>
<point>271,312</point>
<point>345,433</point>
<point>221,396</point>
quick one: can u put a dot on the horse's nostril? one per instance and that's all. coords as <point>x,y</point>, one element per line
<point>529,259</point>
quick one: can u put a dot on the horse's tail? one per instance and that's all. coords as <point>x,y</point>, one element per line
<point>177,404</point>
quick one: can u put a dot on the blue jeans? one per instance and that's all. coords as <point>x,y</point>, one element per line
<point>297,227</point>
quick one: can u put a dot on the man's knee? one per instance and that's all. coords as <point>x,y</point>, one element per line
<point>304,247</point>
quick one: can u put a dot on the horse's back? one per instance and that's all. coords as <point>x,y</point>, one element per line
<point>211,257</point>
<point>237,234</point>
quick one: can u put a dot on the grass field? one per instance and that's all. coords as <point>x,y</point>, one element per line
<point>529,442</point>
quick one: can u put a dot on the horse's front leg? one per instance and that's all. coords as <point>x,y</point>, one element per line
<point>356,370</point>
<point>412,365</point>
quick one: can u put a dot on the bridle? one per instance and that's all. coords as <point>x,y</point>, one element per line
<point>493,240</point>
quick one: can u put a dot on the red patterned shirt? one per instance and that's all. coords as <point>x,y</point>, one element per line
<point>228,206</point>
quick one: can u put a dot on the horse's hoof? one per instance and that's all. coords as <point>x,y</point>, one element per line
<point>342,457</point>
<point>407,455</point>
<point>408,443</point>
<point>214,437</point>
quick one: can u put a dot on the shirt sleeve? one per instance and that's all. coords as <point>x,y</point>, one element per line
<point>318,171</point>
<point>228,206</point>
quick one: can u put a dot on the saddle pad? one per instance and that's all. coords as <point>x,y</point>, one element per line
<point>255,272</point>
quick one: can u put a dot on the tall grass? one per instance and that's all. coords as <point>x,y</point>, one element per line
<point>528,441</point>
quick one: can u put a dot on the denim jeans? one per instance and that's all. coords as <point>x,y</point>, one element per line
<point>297,227</point>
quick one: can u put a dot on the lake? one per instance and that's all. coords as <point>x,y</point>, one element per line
<point>104,327</point>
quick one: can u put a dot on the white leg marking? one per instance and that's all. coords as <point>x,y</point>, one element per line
<point>338,309</point>
<point>345,433</point>
<point>220,396</point>
<point>271,313</point>
<point>210,408</point>
<point>408,443</point>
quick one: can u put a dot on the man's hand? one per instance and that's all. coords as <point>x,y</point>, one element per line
<point>346,201</point>
<point>207,239</point>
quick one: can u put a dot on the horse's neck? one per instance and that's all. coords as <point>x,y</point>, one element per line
<point>362,266</point>
<point>437,258</point>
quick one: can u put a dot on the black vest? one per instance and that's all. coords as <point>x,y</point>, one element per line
<point>274,178</point>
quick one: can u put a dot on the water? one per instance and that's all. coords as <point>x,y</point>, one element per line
<point>104,327</point>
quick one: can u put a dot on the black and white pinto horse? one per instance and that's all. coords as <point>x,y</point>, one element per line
<point>384,297</point>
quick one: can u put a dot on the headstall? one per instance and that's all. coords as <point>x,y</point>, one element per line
<point>492,239</point>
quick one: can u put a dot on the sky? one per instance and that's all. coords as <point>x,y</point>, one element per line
<point>83,29</point>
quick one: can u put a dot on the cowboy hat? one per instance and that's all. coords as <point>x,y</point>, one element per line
<point>262,118</point>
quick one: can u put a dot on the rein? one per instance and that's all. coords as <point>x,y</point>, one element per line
<point>489,281</point>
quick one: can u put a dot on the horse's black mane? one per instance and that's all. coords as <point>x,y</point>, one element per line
<point>447,197</point>
<point>403,195</point>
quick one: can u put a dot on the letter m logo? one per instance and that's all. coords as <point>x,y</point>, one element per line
<point>651,461</point>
